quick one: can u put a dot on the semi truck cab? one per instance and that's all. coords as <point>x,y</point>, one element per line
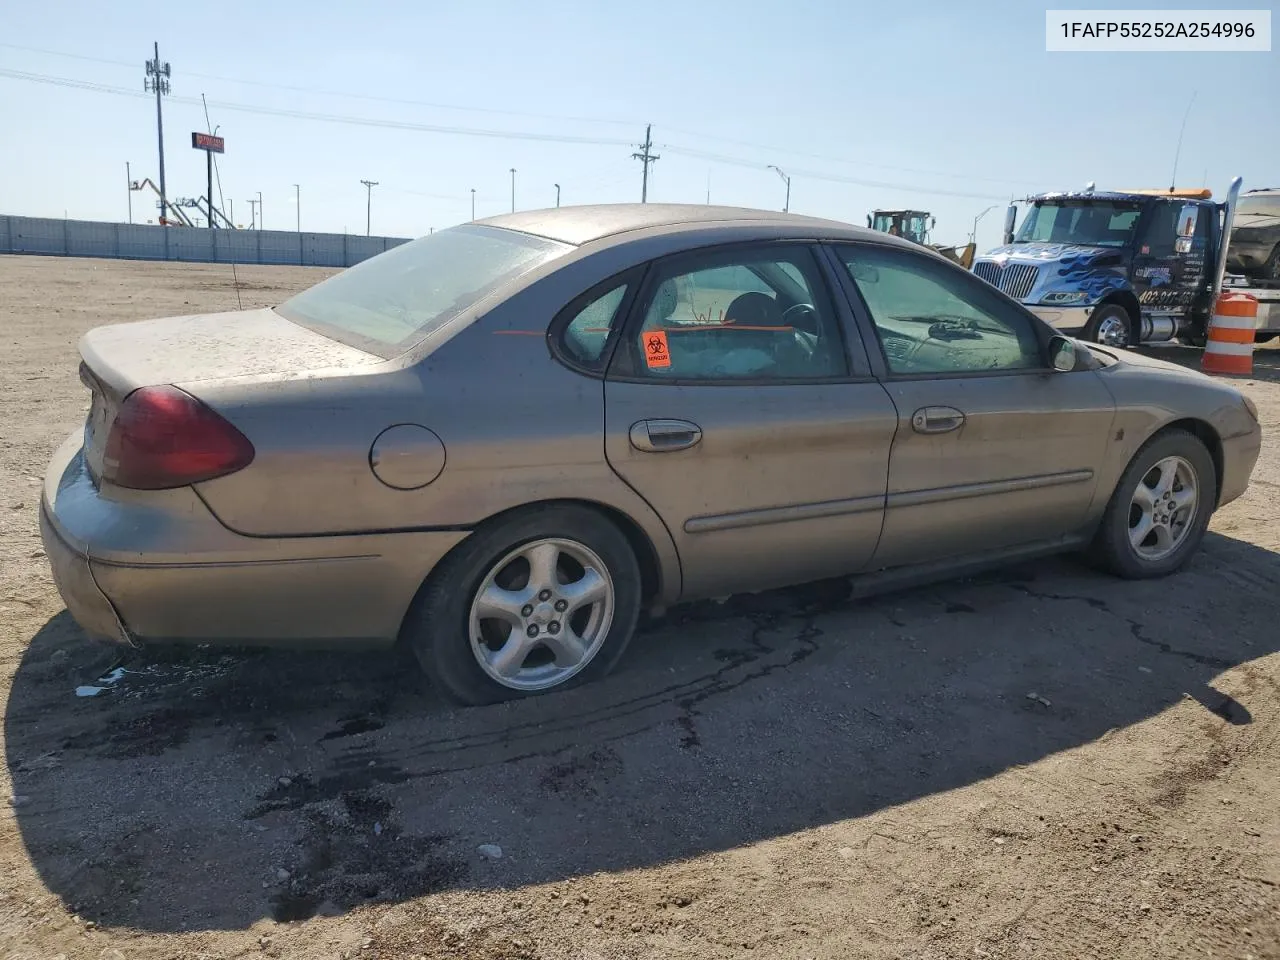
<point>1118,268</point>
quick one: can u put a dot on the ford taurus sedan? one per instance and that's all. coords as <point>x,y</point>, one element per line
<point>501,442</point>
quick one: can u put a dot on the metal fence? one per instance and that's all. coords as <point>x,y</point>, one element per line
<point>136,241</point>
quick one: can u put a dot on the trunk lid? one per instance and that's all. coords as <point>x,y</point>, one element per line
<point>188,351</point>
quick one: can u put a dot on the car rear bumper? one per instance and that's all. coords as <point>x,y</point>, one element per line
<point>1067,320</point>
<point>158,566</point>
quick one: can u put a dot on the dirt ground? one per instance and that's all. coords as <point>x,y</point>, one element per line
<point>1042,762</point>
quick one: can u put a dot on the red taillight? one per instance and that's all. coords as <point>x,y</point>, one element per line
<point>163,437</point>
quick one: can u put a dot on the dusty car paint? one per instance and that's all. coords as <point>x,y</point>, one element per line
<point>791,481</point>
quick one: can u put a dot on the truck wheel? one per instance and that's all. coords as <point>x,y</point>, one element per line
<point>1110,326</point>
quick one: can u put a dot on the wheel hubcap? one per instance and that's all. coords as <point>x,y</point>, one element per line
<point>1113,332</point>
<point>541,614</point>
<point>1162,508</point>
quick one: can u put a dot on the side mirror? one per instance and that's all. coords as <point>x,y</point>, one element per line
<point>1062,354</point>
<point>1010,220</point>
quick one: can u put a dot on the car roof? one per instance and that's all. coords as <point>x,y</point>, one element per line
<point>585,224</point>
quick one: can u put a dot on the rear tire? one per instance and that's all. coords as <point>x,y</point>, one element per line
<point>534,632</point>
<point>1110,326</point>
<point>1145,533</point>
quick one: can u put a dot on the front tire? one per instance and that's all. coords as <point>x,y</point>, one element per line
<point>1160,509</point>
<point>544,600</point>
<point>1110,326</point>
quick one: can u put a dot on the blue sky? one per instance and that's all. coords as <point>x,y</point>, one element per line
<point>947,107</point>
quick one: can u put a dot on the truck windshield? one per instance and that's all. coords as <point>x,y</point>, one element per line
<point>1094,223</point>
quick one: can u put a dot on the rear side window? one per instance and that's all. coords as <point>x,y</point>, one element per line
<point>589,325</point>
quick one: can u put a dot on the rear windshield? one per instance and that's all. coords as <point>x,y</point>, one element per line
<point>390,302</point>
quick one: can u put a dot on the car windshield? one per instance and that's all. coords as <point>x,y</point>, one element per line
<point>1097,223</point>
<point>390,302</point>
<point>1264,205</point>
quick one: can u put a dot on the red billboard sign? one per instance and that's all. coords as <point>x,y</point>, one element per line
<point>207,141</point>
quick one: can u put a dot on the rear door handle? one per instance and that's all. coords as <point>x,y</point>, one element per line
<point>659,436</point>
<point>937,420</point>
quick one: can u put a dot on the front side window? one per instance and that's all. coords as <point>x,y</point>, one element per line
<point>751,314</point>
<point>390,302</point>
<point>931,318</point>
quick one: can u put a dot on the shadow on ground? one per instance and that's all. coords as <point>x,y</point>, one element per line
<point>205,790</point>
<point>1266,360</point>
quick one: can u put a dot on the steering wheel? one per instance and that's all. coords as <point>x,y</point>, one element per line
<point>792,315</point>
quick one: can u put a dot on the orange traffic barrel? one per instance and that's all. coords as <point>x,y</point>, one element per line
<point>1229,345</point>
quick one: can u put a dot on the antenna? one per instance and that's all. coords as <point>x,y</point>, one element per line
<point>1173,181</point>
<point>157,81</point>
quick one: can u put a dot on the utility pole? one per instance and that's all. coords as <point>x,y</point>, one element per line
<point>231,212</point>
<point>157,79</point>
<point>646,157</point>
<point>253,213</point>
<point>262,218</point>
<point>368,204</point>
<point>786,207</point>
<point>297,205</point>
<point>513,189</point>
<point>708,188</point>
<point>128,183</point>
<point>557,194</point>
<point>473,203</point>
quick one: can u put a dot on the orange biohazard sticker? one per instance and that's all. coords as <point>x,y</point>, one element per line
<point>656,353</point>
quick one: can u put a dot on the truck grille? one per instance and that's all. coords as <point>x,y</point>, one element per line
<point>1015,279</point>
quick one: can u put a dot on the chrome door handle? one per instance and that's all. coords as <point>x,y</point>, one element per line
<point>937,420</point>
<point>659,436</point>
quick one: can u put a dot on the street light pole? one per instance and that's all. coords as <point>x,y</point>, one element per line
<point>786,207</point>
<point>973,237</point>
<point>297,204</point>
<point>557,194</point>
<point>473,203</point>
<point>513,189</point>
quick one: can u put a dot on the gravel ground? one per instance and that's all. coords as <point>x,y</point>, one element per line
<point>1043,762</point>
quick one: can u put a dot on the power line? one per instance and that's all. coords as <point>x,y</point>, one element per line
<point>772,149</point>
<point>325,117</point>
<point>339,93</point>
<point>501,135</point>
<point>828,178</point>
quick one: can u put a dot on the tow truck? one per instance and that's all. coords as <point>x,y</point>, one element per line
<point>1123,267</point>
